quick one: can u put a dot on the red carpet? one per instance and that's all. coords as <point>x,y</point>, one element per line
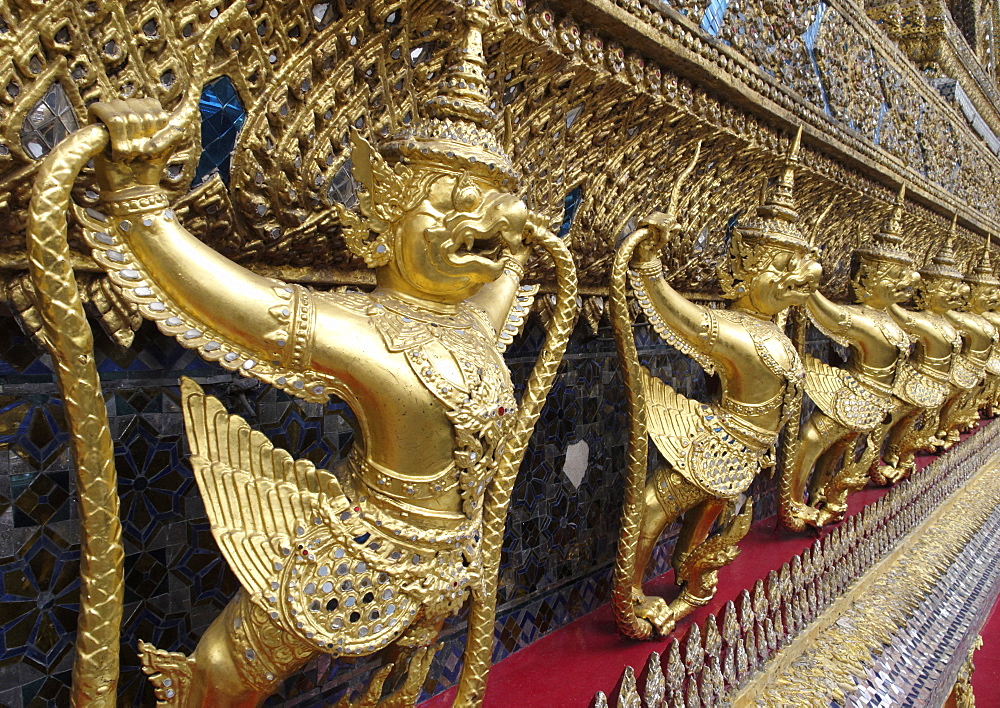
<point>986,678</point>
<point>567,667</point>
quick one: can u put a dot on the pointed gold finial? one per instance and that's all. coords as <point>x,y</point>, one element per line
<point>886,245</point>
<point>942,262</point>
<point>895,225</point>
<point>454,133</point>
<point>781,204</point>
<point>675,193</point>
<point>463,92</point>
<point>983,273</point>
<point>774,222</point>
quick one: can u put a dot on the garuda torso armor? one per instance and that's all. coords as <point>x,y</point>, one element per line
<point>923,383</point>
<point>719,447</point>
<point>969,367</point>
<point>860,396</point>
<point>993,363</point>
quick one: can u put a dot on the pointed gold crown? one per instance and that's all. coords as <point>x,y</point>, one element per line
<point>886,245</point>
<point>776,217</point>
<point>942,263</point>
<point>453,136</point>
<point>983,273</point>
<point>455,130</point>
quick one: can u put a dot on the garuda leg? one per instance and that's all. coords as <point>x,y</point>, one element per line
<point>239,661</point>
<point>667,496</point>
<point>816,437</point>
<point>833,479</point>
<point>901,445</point>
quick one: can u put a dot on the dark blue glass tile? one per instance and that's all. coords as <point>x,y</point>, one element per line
<point>571,204</point>
<point>222,115</point>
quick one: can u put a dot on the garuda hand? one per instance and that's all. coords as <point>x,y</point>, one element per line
<point>659,227</point>
<point>134,160</point>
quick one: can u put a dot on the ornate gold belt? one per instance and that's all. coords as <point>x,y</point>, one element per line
<point>396,485</point>
<point>753,436</point>
<point>872,384</point>
<point>731,405</point>
<point>398,495</point>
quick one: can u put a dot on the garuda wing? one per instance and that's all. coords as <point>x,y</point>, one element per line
<point>325,568</point>
<point>843,397</point>
<point>693,438</point>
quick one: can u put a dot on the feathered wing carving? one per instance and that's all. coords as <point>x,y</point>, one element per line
<point>324,569</point>
<point>842,397</point>
<point>138,287</point>
<point>693,438</point>
<point>256,496</point>
<point>673,421</point>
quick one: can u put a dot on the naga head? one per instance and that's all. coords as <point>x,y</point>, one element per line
<point>941,287</point>
<point>771,265</point>
<point>882,271</point>
<point>984,287</point>
<point>437,211</point>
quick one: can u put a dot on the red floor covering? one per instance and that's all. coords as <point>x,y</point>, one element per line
<point>567,667</point>
<point>986,678</point>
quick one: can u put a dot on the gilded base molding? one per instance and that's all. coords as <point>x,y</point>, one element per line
<point>832,660</point>
<point>824,629</point>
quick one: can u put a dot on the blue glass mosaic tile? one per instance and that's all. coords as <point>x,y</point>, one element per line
<point>222,116</point>
<point>571,204</point>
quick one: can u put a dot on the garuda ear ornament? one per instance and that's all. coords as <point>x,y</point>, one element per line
<point>381,201</point>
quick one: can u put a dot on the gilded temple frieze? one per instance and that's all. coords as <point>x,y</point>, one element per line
<point>594,117</point>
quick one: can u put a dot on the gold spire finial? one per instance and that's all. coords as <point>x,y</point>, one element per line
<point>887,245</point>
<point>942,263</point>
<point>675,193</point>
<point>774,222</point>
<point>982,273</point>
<point>894,227</point>
<point>463,94</point>
<point>782,201</point>
<point>454,133</point>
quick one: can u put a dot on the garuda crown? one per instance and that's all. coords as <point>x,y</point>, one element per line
<point>453,137</point>
<point>886,245</point>
<point>774,226</point>
<point>983,273</point>
<point>942,263</point>
<point>775,223</point>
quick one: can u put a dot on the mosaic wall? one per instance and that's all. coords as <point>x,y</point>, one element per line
<point>557,556</point>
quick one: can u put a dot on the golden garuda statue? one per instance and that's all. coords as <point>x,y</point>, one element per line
<point>859,398</point>
<point>980,339</point>
<point>373,556</point>
<point>991,311</point>
<point>712,451</point>
<point>928,383</point>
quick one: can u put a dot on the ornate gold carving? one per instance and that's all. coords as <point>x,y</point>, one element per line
<point>962,695</point>
<point>712,451</point>
<point>825,662</point>
<point>291,154</point>
<point>412,528</point>
<point>858,399</point>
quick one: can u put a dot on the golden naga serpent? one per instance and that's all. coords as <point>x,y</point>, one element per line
<point>482,616</point>
<point>638,442</point>
<point>71,344</point>
<point>790,442</point>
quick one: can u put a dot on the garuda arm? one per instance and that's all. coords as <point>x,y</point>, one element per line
<point>259,326</point>
<point>686,326</point>
<point>833,320</point>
